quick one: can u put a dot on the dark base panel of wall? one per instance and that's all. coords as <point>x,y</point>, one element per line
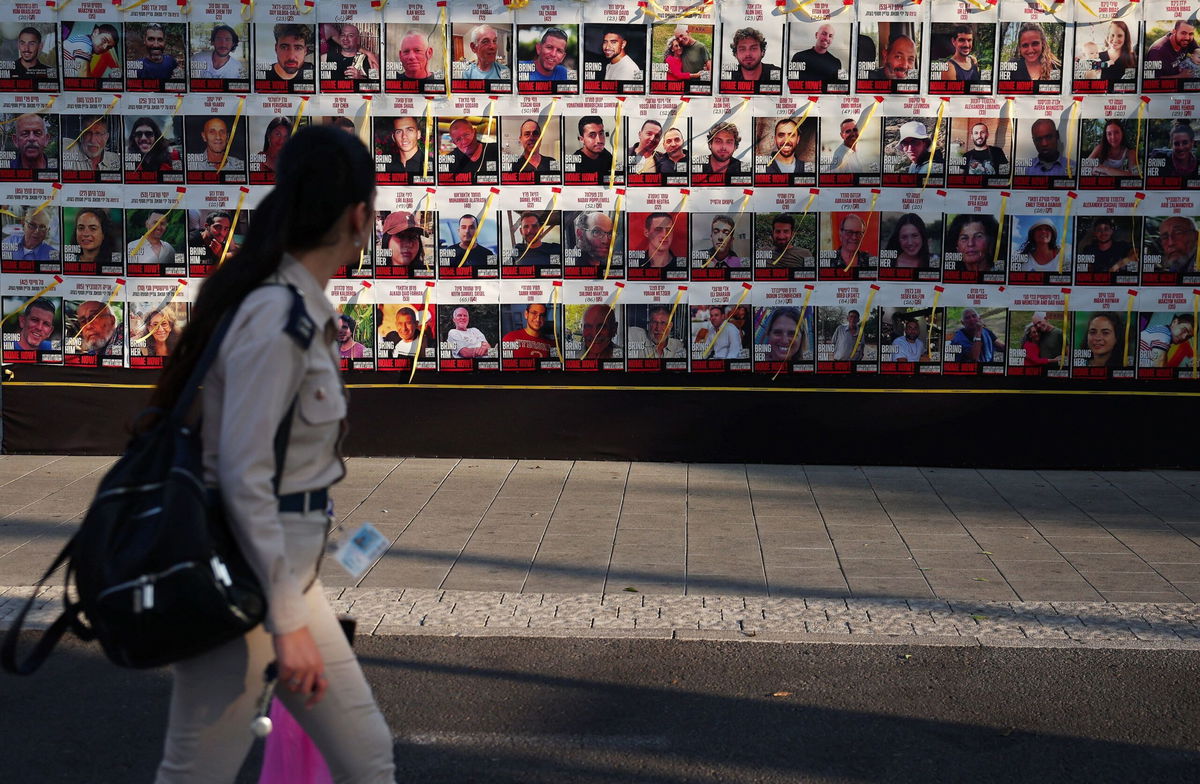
<point>1018,423</point>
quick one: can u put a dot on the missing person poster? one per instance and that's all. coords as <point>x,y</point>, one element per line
<point>32,239</point>
<point>595,234</point>
<point>847,328</point>
<point>722,241</point>
<point>156,310</point>
<point>468,325</point>
<point>1039,333</point>
<point>530,317</point>
<point>1105,344</point>
<point>592,327</point>
<point>786,234</point>
<point>93,323</point>
<point>656,327</point>
<point>657,232</point>
<point>784,328</point>
<point>532,238</point>
<point>975,330</point>
<point>33,319</point>
<point>820,46</point>
<point>406,325</point>
<point>721,326</point>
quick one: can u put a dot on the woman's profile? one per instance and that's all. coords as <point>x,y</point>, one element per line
<point>277,363</point>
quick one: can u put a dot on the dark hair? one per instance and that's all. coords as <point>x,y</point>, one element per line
<point>911,219</point>
<point>784,217</point>
<point>1106,152</point>
<point>342,317</point>
<point>216,215</point>
<point>1029,246</point>
<point>654,215</point>
<point>962,29</point>
<point>150,345</point>
<point>1117,357</point>
<point>990,226</point>
<point>108,245</point>
<point>212,37</point>
<point>590,119</point>
<point>275,123</point>
<point>41,303</point>
<point>31,31</point>
<point>107,28</point>
<point>748,32</point>
<point>159,155</point>
<point>556,32</point>
<point>322,171</point>
<point>1183,128</point>
<point>292,31</point>
<point>1126,58</point>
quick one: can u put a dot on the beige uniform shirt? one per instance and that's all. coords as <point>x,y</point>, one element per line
<point>258,370</point>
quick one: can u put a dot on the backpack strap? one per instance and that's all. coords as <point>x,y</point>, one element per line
<point>68,618</point>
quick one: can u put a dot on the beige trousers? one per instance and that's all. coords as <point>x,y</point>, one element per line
<point>215,696</point>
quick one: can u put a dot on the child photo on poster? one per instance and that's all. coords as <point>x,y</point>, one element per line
<point>91,56</point>
<point>1166,344</point>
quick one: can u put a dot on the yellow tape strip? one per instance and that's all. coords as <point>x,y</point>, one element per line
<point>798,121</point>
<point>1140,115</point>
<point>799,330</point>
<point>428,137</point>
<point>1012,130</point>
<point>445,49</point>
<point>1003,210</point>
<point>862,323</point>
<point>616,388</point>
<point>237,118</point>
<point>62,5</point>
<point>299,115</point>
<point>1067,336</point>
<point>612,238</point>
<point>1072,131</point>
<point>866,228</point>
<point>1128,324</point>
<point>306,9</point>
<point>542,129</point>
<point>977,4</point>
<point>670,319</point>
<point>25,304</point>
<point>1087,8</point>
<point>612,170</point>
<point>424,322</point>
<point>247,10</point>
<point>137,248</point>
<point>931,322</point>
<point>43,108</point>
<point>937,129</point>
<point>729,239</point>
<point>132,6</point>
<point>555,296</point>
<point>1062,248</point>
<point>90,125</point>
<point>47,202</point>
<point>364,130</point>
<point>237,213</point>
<point>487,206</point>
<point>713,343</point>
<point>801,7</point>
<point>490,130</point>
<point>541,232</point>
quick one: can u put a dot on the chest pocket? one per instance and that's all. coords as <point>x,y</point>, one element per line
<point>321,398</point>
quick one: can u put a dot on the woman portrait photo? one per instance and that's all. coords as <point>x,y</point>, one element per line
<point>974,239</point>
<point>1103,341</point>
<point>402,240</point>
<point>1030,55</point>
<point>1040,247</point>
<point>159,331</point>
<point>1110,59</point>
<point>278,131</point>
<point>908,244</point>
<point>784,337</point>
<point>97,238</point>
<point>1113,155</point>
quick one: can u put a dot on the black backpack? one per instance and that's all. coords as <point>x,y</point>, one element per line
<point>158,574</point>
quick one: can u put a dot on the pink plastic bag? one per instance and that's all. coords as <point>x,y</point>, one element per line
<point>290,756</point>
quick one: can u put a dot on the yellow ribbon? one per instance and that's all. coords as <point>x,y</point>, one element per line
<point>47,202</point>
<point>487,206</point>
<point>132,6</point>
<point>1087,8</point>
<point>445,47</point>
<point>178,106</point>
<point>799,121</point>
<point>1066,323</point>
<point>421,333</point>
<point>977,4</point>
<point>541,129</point>
<point>247,10</point>
<point>25,304</point>
<point>137,248</point>
<point>1071,132</point>
<point>670,318</point>
<point>300,115</point>
<point>541,232</point>
<point>728,240</point>
<point>428,137</point>
<point>1128,324</point>
<point>555,296</point>
<point>1138,146</point>
<point>237,118</point>
<point>1000,230</point>
<point>866,228</point>
<point>62,5</point>
<point>307,8</point>
<point>1062,249</point>
<point>808,290</point>
<point>800,7</point>
<point>612,169</point>
<point>237,213</point>
<point>1045,7</point>
<point>713,343</point>
<point>422,208</point>
<point>612,238</point>
<point>862,324</point>
<point>937,129</point>
<point>692,10</point>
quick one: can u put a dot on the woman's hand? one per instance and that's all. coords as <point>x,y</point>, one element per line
<point>301,668</point>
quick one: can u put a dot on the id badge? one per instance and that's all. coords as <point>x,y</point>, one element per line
<point>362,549</point>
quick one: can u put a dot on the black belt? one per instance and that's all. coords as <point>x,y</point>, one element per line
<point>304,502</point>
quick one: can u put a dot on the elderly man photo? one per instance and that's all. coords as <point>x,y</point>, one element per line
<point>655,341</point>
<point>30,137</point>
<point>90,151</point>
<point>349,59</point>
<point>599,333</point>
<point>484,42</point>
<point>466,342</point>
<point>415,55</point>
<point>30,243</point>
<point>1177,238</point>
<point>977,343</point>
<point>849,253</point>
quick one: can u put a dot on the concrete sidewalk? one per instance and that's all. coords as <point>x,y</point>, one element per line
<point>503,546</point>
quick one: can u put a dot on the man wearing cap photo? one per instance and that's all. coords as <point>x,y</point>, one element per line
<point>916,144</point>
<point>401,240</point>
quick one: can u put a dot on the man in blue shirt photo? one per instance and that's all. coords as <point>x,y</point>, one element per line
<point>547,65</point>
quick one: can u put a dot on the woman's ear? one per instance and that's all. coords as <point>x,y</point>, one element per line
<point>359,220</point>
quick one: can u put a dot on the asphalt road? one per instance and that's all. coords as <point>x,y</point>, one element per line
<point>493,710</point>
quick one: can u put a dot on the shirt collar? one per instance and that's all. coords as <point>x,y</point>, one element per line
<point>318,305</point>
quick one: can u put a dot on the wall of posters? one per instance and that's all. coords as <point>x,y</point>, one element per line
<point>735,189</point>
